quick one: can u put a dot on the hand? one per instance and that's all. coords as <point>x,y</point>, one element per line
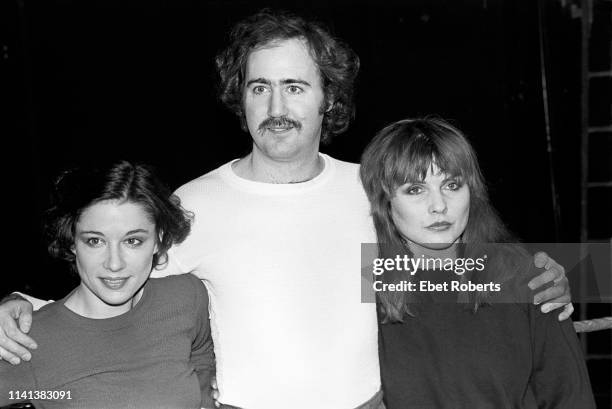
<point>556,296</point>
<point>13,339</point>
<point>215,391</point>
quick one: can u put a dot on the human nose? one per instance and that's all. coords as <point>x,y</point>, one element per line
<point>437,203</point>
<point>277,106</point>
<point>114,258</point>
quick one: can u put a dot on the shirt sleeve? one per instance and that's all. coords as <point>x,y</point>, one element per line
<point>202,352</point>
<point>560,379</point>
<point>37,303</point>
<point>13,379</point>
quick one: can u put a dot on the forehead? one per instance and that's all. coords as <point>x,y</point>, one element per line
<point>281,60</point>
<point>113,215</point>
<point>434,172</point>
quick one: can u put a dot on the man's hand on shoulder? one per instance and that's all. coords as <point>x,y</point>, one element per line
<point>214,391</point>
<point>556,296</point>
<point>15,322</point>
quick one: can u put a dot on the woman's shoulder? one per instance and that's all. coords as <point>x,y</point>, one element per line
<point>182,286</point>
<point>514,268</point>
<point>177,280</point>
<point>48,314</point>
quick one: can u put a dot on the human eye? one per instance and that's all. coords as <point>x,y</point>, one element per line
<point>454,185</point>
<point>294,89</point>
<point>94,241</point>
<point>413,190</point>
<point>134,241</point>
<point>259,89</point>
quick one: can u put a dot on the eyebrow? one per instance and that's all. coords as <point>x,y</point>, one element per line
<point>102,234</point>
<point>283,82</point>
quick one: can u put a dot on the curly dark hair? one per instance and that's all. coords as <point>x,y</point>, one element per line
<point>77,189</point>
<point>338,64</point>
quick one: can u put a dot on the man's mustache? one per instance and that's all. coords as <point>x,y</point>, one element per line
<point>279,122</point>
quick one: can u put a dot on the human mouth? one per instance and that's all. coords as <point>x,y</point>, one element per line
<point>439,226</point>
<point>279,125</point>
<point>279,129</point>
<point>114,283</point>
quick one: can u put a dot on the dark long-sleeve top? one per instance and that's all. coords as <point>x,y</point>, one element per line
<point>157,355</point>
<point>505,355</point>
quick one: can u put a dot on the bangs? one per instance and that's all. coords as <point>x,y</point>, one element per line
<point>409,156</point>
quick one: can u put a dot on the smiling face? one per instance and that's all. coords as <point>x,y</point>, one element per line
<point>431,213</point>
<point>114,247</point>
<point>283,100</point>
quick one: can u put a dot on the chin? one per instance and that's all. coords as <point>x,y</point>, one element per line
<point>116,300</point>
<point>439,242</point>
<point>438,246</point>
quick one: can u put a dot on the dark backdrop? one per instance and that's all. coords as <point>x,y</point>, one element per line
<point>136,80</point>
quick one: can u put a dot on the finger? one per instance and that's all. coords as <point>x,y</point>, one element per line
<point>9,357</point>
<point>213,383</point>
<point>551,306</point>
<point>13,341</point>
<point>24,340</point>
<point>551,294</point>
<point>551,264</point>
<point>561,276</point>
<point>540,259</point>
<point>546,277</point>
<point>215,395</point>
<point>555,303</point>
<point>567,311</point>
<point>25,323</point>
<point>12,333</point>
<point>562,282</point>
<point>564,285</point>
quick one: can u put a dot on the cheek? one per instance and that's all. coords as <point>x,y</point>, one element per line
<point>463,222</point>
<point>463,211</point>
<point>86,262</point>
<point>142,261</point>
<point>250,119</point>
<point>253,114</point>
<point>314,112</point>
<point>249,108</point>
<point>403,216</point>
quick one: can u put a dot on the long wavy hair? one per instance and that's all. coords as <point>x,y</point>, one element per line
<point>404,152</point>
<point>337,63</point>
<point>77,189</point>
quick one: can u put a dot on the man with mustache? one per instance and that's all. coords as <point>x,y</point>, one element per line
<point>277,233</point>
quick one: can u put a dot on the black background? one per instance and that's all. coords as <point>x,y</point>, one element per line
<point>136,80</point>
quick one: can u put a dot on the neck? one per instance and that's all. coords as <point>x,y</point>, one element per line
<point>259,168</point>
<point>418,251</point>
<point>86,304</point>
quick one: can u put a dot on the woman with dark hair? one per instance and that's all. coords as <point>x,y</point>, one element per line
<point>454,337</point>
<point>119,339</point>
